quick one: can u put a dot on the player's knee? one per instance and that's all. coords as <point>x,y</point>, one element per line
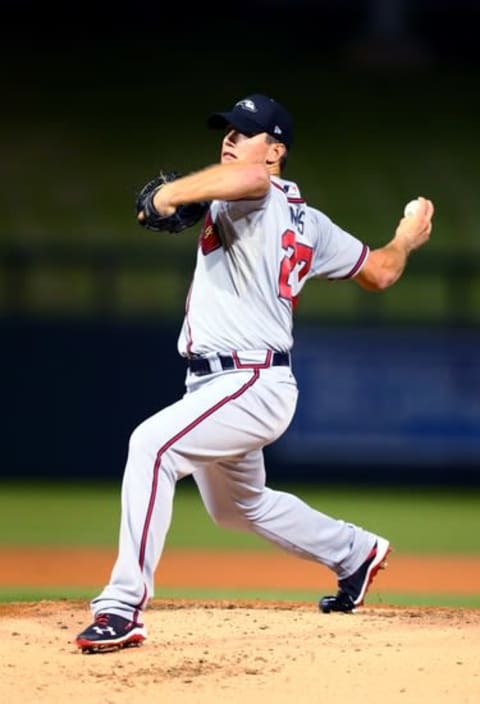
<point>138,439</point>
<point>236,516</point>
<point>147,450</point>
<point>252,512</point>
<point>146,438</point>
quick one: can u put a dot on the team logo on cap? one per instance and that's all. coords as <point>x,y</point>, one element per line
<point>247,104</point>
<point>277,130</point>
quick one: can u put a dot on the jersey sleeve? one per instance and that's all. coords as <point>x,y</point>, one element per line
<point>338,254</point>
<point>240,209</point>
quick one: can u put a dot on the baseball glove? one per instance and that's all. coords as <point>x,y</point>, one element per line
<point>183,217</point>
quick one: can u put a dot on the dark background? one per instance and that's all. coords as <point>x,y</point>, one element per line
<point>385,98</point>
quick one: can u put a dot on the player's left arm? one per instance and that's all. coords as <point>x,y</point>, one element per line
<point>231,181</point>
<point>385,265</point>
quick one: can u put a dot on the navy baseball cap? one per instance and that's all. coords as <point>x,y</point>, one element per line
<point>256,114</point>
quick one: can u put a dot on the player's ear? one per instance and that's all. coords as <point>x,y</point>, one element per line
<point>276,151</point>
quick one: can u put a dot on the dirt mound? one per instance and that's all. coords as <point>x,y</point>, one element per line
<point>205,652</point>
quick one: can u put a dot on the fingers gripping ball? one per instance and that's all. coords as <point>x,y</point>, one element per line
<point>184,216</point>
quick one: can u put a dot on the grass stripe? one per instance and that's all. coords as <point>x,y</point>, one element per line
<point>417,520</point>
<point>23,594</point>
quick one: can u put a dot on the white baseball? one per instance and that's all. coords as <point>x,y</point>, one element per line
<point>411,208</point>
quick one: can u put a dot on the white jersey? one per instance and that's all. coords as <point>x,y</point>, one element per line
<point>254,257</point>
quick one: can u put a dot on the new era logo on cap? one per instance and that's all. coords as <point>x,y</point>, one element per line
<point>255,114</point>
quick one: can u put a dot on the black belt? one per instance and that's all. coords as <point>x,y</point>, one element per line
<point>201,365</point>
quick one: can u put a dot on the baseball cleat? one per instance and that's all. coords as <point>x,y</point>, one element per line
<point>352,590</point>
<point>110,632</point>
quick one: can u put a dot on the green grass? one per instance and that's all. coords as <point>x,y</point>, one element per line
<point>415,520</point>
<point>24,594</point>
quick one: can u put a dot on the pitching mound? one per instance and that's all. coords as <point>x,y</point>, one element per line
<point>238,652</point>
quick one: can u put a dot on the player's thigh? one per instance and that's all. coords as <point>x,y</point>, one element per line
<point>232,415</point>
<point>241,412</point>
<point>228,416</point>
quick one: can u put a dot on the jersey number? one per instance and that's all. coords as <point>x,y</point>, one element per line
<point>297,254</point>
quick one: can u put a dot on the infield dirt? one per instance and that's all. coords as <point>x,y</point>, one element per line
<point>203,652</point>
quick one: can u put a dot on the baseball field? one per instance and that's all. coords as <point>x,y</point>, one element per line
<point>232,617</point>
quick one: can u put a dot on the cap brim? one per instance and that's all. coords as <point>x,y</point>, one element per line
<point>219,120</point>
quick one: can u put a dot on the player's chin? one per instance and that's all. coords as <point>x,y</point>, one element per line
<point>228,157</point>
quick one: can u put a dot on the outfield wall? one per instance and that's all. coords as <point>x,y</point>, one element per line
<point>376,404</point>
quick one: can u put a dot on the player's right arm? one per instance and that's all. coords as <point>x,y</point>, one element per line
<point>385,265</point>
<point>228,181</point>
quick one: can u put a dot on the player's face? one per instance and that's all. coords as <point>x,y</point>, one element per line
<point>243,147</point>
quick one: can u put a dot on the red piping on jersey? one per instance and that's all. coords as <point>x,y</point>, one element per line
<point>168,445</point>
<point>293,199</point>
<point>252,365</point>
<point>189,329</point>
<point>359,263</point>
<point>141,603</point>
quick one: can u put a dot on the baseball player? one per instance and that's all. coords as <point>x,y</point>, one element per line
<point>259,244</point>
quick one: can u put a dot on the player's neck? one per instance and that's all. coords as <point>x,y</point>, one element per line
<point>274,169</point>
